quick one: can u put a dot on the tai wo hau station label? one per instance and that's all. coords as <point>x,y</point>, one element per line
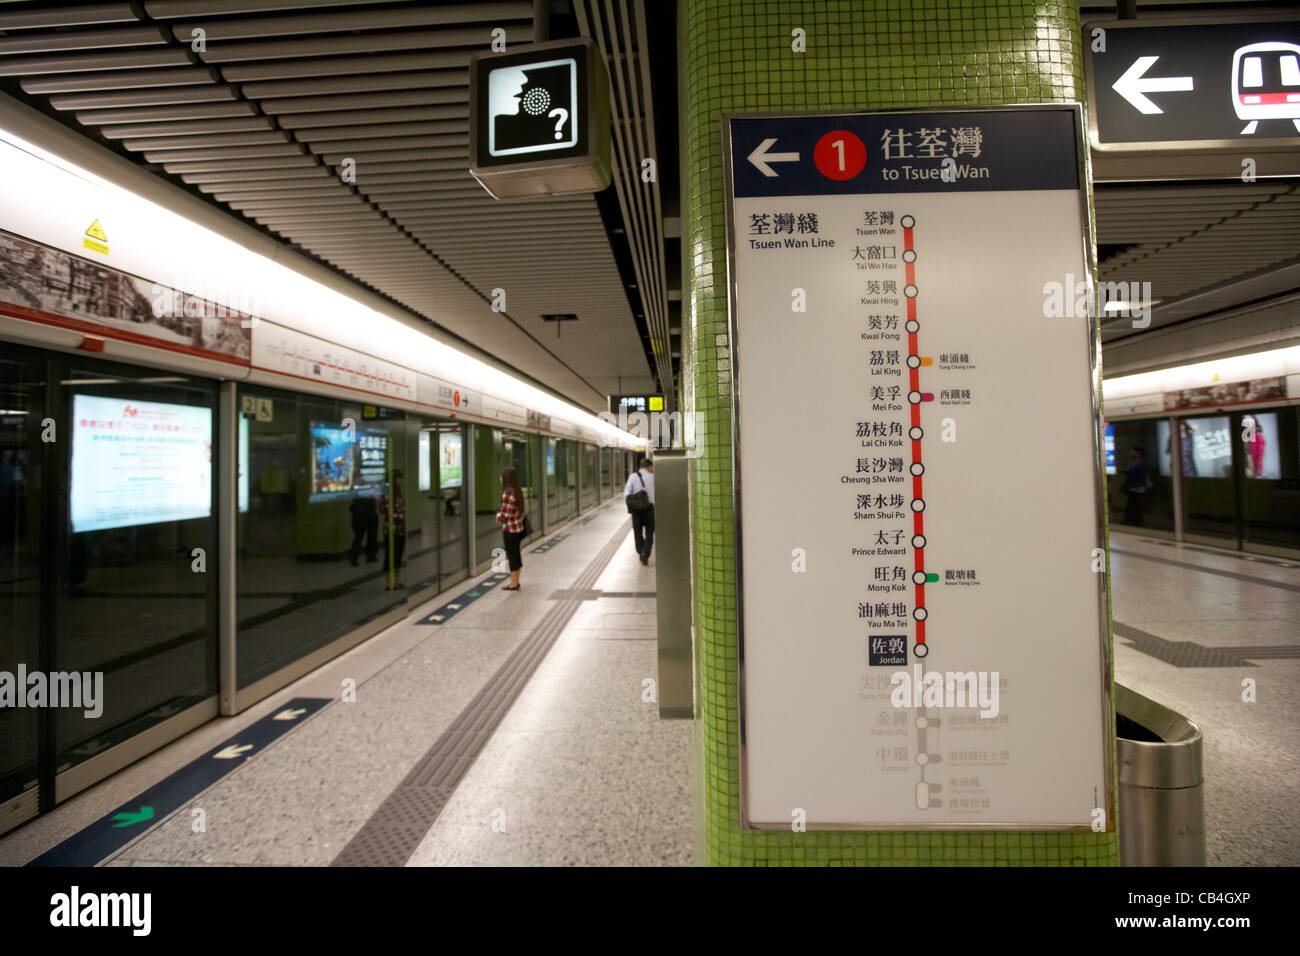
<point>923,631</point>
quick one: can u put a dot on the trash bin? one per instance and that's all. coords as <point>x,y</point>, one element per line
<point>1161,787</point>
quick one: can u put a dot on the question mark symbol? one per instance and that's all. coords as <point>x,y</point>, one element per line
<point>563,115</point>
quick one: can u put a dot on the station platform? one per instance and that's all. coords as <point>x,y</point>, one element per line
<point>1192,624</point>
<point>515,731</point>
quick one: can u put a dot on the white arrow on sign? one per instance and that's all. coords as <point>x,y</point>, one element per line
<point>1133,86</point>
<point>760,157</point>
<point>233,751</point>
<point>453,607</point>
<point>291,714</point>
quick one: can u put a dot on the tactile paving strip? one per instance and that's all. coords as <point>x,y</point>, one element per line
<point>391,835</point>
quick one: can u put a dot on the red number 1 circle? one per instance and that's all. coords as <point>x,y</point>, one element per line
<point>840,155</point>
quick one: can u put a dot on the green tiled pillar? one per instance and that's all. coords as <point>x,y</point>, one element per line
<point>735,56</point>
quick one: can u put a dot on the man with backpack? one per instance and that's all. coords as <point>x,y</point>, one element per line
<point>639,493</point>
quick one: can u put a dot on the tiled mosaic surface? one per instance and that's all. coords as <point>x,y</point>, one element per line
<point>735,56</point>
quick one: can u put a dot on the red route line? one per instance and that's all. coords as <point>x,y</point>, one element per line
<point>914,379</point>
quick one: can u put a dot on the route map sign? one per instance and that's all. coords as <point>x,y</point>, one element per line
<point>923,615</point>
<point>1194,85</point>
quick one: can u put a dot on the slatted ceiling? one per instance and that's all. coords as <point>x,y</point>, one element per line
<point>619,30</point>
<point>163,114</point>
<point>40,17</point>
<point>1188,239</point>
<point>87,62</point>
<point>126,79</point>
<point>174,9</point>
<point>307,91</point>
<point>374,114</point>
<point>285,91</point>
<point>423,15</point>
<point>82,40</point>
<point>300,108</point>
<point>157,96</point>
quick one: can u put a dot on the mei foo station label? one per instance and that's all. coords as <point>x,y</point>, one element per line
<point>923,633</point>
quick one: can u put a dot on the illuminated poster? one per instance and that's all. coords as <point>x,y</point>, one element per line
<point>138,463</point>
<point>449,465</point>
<point>345,461</point>
<point>243,463</point>
<point>922,631</point>
<point>423,461</point>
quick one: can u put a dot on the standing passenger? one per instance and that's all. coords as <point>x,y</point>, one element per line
<point>639,493</point>
<point>511,519</point>
<point>395,527</point>
<point>1137,482</point>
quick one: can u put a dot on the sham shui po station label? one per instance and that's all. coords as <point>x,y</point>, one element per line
<point>923,634</point>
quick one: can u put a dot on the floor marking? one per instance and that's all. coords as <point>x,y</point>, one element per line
<point>449,610</point>
<point>394,831</point>
<point>120,826</point>
<point>1197,567</point>
<point>1191,654</point>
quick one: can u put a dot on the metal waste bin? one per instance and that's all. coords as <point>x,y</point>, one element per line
<point>1161,786</point>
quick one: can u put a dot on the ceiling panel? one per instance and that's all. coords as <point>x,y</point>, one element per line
<point>262,114</point>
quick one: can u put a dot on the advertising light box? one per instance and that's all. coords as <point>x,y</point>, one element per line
<point>449,459</point>
<point>346,461</point>
<point>136,463</point>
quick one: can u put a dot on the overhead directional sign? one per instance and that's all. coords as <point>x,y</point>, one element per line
<point>1157,86</point>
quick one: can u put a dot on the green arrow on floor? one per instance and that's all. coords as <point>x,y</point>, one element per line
<point>130,819</point>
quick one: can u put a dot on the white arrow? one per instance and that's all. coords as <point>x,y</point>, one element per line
<point>436,617</point>
<point>1132,85</point>
<point>454,607</point>
<point>231,752</point>
<point>291,713</point>
<point>760,157</point>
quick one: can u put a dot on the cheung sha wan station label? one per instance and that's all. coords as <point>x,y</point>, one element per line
<point>923,622</point>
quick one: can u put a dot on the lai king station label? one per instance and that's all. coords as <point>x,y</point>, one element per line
<point>1160,86</point>
<point>923,620</point>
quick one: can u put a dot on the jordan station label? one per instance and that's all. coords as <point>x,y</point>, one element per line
<point>922,612</point>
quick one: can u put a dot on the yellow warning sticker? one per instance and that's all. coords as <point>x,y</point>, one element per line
<point>96,232</point>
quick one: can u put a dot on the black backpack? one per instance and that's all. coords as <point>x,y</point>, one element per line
<point>638,502</point>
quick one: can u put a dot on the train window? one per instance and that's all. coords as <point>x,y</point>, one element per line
<point>1291,71</point>
<point>1252,71</point>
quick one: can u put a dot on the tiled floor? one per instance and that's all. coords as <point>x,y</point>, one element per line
<point>1252,750</point>
<point>583,771</point>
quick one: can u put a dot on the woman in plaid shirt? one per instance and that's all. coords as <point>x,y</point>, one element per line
<point>511,519</point>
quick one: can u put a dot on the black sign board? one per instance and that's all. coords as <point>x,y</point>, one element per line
<point>1193,85</point>
<point>539,120</point>
<point>636,403</point>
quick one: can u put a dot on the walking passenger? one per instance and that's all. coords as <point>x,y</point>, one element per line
<point>639,493</point>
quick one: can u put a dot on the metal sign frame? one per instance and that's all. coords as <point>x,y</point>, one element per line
<point>1088,244</point>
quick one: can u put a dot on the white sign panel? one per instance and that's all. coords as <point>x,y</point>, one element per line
<point>448,396</point>
<point>278,349</point>
<point>138,463</point>
<point>923,634</point>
